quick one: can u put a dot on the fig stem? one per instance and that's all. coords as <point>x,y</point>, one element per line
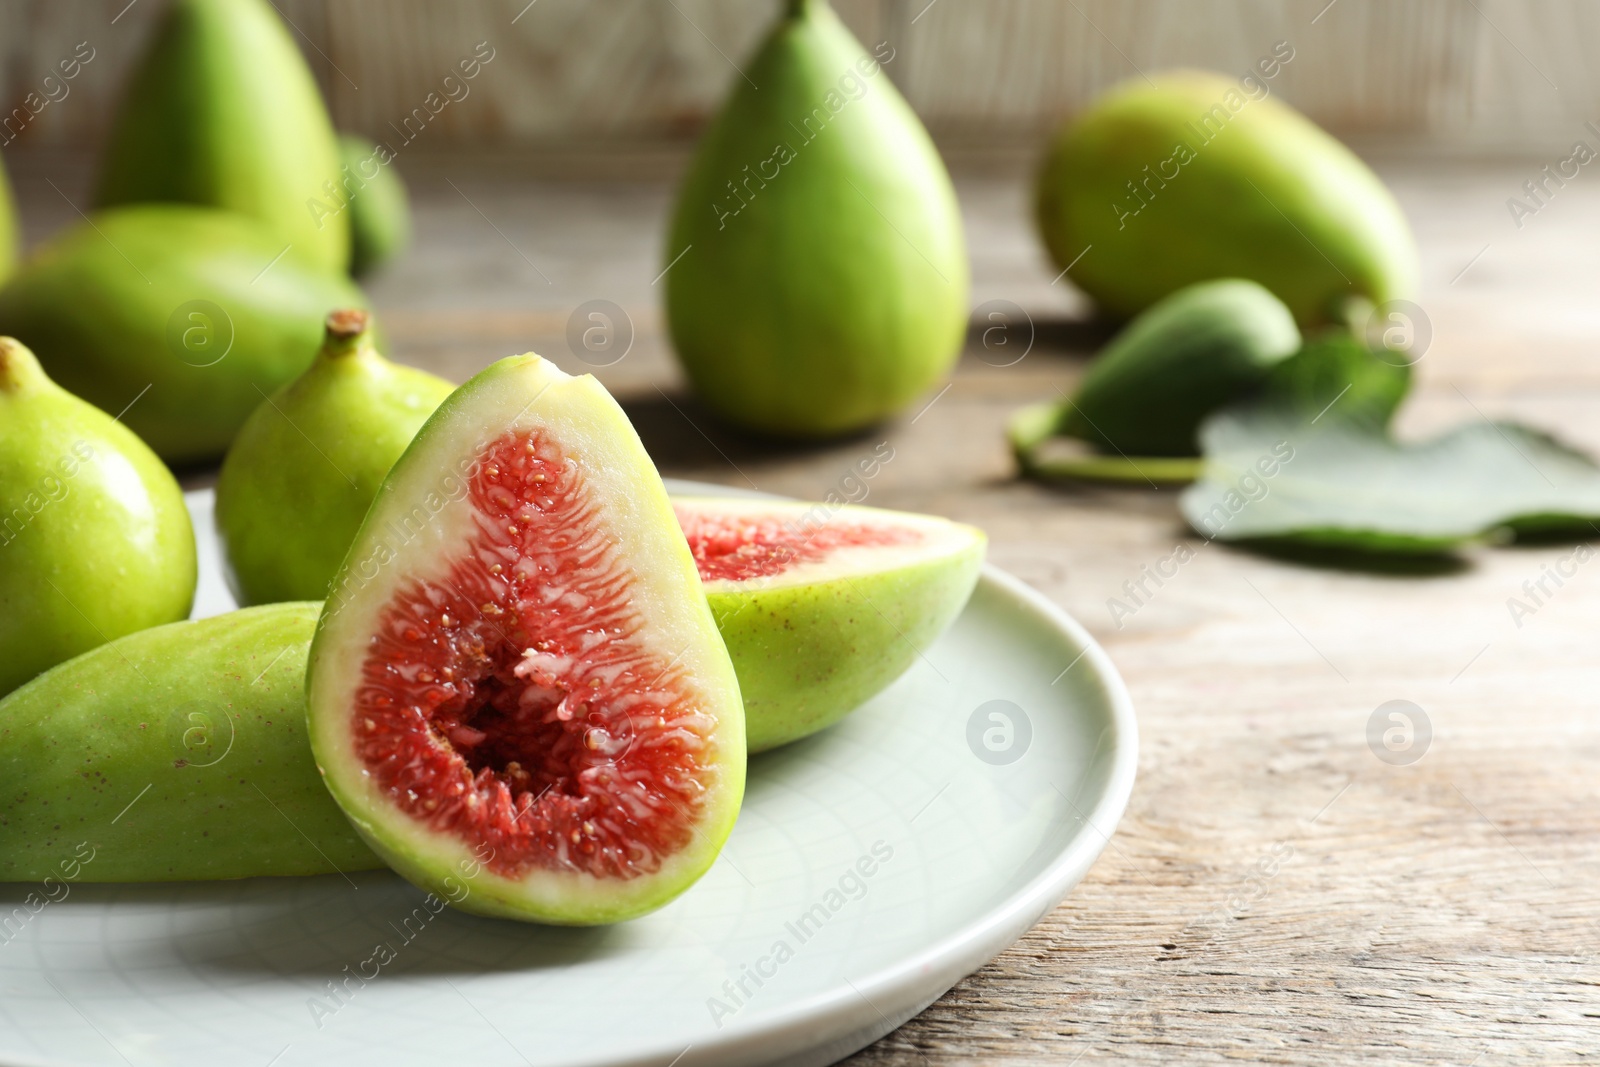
<point>18,367</point>
<point>1354,312</point>
<point>345,329</point>
<point>799,8</point>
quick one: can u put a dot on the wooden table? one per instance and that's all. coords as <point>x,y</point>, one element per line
<point>1275,891</point>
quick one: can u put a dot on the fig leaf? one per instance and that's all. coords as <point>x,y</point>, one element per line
<point>1342,482</point>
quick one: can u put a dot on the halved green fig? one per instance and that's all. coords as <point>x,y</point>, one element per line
<point>303,471</point>
<point>174,754</point>
<point>822,608</point>
<point>517,692</point>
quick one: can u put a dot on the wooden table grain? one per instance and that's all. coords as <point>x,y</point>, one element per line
<point>1276,892</point>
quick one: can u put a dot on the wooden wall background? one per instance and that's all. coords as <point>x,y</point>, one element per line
<point>1508,75</point>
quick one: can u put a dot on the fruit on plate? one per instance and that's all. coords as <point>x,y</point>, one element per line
<point>1184,177</point>
<point>173,754</point>
<point>95,541</point>
<point>821,607</point>
<point>8,228</point>
<point>308,463</point>
<point>182,318</point>
<point>517,692</point>
<point>817,273</point>
<point>1199,349</point>
<point>379,209</point>
<point>222,111</point>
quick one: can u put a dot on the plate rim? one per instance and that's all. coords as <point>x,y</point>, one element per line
<point>797,1031</point>
<point>1020,911</point>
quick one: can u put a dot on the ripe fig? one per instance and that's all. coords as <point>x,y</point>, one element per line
<point>8,228</point>
<point>95,541</point>
<point>1190,353</point>
<point>379,209</point>
<point>1182,178</point>
<point>308,462</point>
<point>821,607</point>
<point>817,275</point>
<point>223,112</point>
<point>517,692</point>
<point>190,315</point>
<point>174,754</point>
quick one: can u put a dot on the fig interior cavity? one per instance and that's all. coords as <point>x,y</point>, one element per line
<point>515,703</point>
<point>740,546</point>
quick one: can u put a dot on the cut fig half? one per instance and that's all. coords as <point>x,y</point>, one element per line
<point>821,606</point>
<point>517,692</point>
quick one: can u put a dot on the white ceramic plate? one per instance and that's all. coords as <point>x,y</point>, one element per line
<point>873,867</point>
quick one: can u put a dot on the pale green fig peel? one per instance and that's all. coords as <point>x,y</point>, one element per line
<point>823,607</point>
<point>174,754</point>
<point>378,205</point>
<point>95,541</point>
<point>309,461</point>
<point>1184,177</point>
<point>8,229</point>
<point>1189,354</point>
<point>222,111</point>
<point>193,317</point>
<point>816,268</point>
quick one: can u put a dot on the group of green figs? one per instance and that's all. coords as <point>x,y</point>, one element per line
<point>483,646</point>
<point>479,642</point>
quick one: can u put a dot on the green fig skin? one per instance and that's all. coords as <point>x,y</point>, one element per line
<point>95,541</point>
<point>830,290</point>
<point>8,228</point>
<point>176,754</point>
<point>222,111</point>
<point>131,300</point>
<point>309,462</point>
<point>1271,197</point>
<point>379,207</point>
<point>808,655</point>
<point>1190,353</point>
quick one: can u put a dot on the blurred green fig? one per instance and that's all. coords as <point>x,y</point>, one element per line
<point>379,209</point>
<point>187,317</point>
<point>1190,176</point>
<point>9,238</point>
<point>223,111</point>
<point>816,272</point>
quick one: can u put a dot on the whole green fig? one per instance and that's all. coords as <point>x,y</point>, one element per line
<point>184,316</point>
<point>95,541</point>
<point>1187,355</point>
<point>174,754</point>
<point>8,228</point>
<point>222,111</point>
<point>816,271</point>
<point>1187,176</point>
<point>379,209</point>
<point>308,463</point>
